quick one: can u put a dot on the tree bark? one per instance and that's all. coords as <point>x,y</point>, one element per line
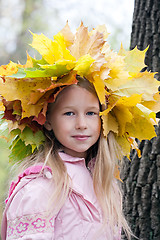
<point>141,176</point>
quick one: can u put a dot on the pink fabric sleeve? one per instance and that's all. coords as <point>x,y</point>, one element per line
<point>37,169</point>
<point>28,215</point>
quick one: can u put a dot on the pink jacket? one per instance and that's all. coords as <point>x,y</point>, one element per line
<point>26,216</point>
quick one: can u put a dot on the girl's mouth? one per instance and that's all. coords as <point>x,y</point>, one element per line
<point>81,137</point>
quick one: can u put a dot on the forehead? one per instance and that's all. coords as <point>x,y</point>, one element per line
<point>76,95</point>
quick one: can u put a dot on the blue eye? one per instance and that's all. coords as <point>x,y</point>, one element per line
<point>69,113</point>
<point>91,113</point>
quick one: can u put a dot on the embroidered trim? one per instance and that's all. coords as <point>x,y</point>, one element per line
<point>30,224</point>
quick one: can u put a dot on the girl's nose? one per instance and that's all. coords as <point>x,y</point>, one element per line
<point>81,122</point>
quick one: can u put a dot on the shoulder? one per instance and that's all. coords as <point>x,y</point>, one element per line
<point>27,210</point>
<point>29,173</point>
<point>31,192</point>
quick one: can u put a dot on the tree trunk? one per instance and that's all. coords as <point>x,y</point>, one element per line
<point>141,176</point>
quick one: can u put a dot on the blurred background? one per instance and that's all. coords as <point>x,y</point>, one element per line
<point>49,16</point>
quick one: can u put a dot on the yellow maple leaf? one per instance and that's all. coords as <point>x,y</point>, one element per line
<point>9,69</point>
<point>59,38</point>
<point>86,43</point>
<point>45,47</point>
<point>109,124</point>
<point>123,113</point>
<point>124,144</point>
<point>126,117</point>
<point>68,35</point>
<point>51,51</point>
<point>122,51</point>
<point>131,101</point>
<point>77,49</point>
<point>83,64</point>
<point>97,79</point>
<point>141,126</point>
<point>117,75</point>
<point>147,113</point>
<point>102,29</point>
<point>134,60</point>
<point>144,83</point>
<point>103,72</point>
<point>153,105</point>
<point>29,63</point>
<point>99,86</point>
<point>12,68</point>
<point>131,117</point>
<point>123,116</point>
<point>115,101</point>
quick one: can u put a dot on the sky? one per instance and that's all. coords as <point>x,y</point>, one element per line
<point>115,14</point>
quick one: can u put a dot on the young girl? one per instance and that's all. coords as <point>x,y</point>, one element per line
<point>68,188</point>
<point>60,200</point>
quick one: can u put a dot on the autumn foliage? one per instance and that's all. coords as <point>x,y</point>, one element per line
<point>130,98</point>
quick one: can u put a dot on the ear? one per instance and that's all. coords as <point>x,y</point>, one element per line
<point>47,125</point>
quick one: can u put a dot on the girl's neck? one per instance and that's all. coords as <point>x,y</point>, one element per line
<point>74,154</point>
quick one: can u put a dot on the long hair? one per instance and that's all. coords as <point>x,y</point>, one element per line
<point>105,185</point>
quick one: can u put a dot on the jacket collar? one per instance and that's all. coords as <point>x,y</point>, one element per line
<point>67,158</point>
<point>82,182</point>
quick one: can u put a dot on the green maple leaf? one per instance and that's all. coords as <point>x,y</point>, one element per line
<point>33,139</point>
<point>24,144</point>
<point>19,150</point>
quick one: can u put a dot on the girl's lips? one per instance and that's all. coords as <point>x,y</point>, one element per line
<point>81,137</point>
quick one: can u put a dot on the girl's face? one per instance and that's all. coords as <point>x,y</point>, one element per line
<point>75,121</point>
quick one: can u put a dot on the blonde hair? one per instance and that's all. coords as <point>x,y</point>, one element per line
<point>105,185</point>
